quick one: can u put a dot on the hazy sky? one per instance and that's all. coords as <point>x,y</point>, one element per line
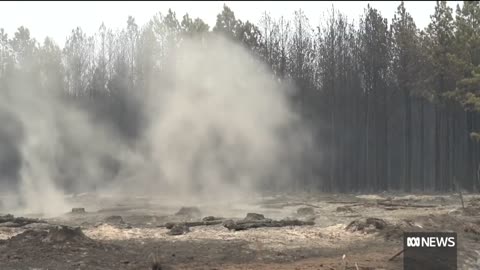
<point>57,19</point>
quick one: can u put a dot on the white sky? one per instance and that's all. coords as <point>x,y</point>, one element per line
<point>57,19</point>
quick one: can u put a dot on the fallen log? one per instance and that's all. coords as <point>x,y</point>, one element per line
<point>288,204</point>
<point>346,202</point>
<point>391,204</point>
<point>396,255</point>
<point>12,221</point>
<point>170,225</point>
<point>351,216</point>
<point>250,224</point>
<point>391,208</point>
<point>311,205</point>
<point>297,204</point>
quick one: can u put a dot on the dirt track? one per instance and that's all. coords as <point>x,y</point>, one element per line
<point>134,243</point>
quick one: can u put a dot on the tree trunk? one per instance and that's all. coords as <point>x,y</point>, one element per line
<point>333,135</point>
<point>408,140</point>
<point>422,144</point>
<point>367,152</point>
<point>436,174</point>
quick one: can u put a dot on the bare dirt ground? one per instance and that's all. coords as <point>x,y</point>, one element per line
<point>121,233</point>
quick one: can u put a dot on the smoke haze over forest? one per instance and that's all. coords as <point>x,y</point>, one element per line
<point>181,107</point>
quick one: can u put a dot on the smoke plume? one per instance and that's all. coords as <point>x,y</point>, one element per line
<point>215,124</point>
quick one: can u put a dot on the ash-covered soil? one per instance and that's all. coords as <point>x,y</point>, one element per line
<point>330,232</point>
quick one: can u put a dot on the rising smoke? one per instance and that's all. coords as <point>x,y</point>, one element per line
<point>219,126</point>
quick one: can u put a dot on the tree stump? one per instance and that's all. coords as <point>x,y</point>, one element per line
<point>305,211</point>
<point>79,210</point>
<point>254,216</point>
<point>191,212</point>
<point>114,220</point>
<point>179,229</point>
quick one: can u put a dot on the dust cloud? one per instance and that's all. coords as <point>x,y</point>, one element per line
<point>215,125</point>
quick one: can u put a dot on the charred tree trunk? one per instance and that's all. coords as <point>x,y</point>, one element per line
<point>408,141</point>
<point>422,143</point>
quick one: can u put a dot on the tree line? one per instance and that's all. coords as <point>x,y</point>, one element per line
<point>391,106</point>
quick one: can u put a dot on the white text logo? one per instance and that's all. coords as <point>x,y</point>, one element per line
<point>430,242</point>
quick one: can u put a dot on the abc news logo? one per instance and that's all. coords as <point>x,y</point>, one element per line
<point>431,242</point>
<point>430,251</point>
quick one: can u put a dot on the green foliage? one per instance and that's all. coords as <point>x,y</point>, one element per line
<point>467,92</point>
<point>193,27</point>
